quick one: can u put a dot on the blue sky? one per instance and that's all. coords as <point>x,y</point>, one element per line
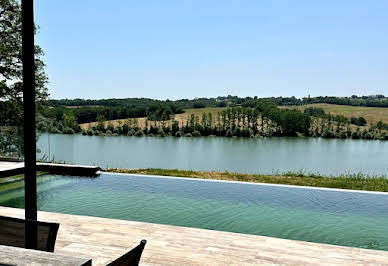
<point>171,49</point>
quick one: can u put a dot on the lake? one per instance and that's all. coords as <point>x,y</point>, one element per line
<point>245,155</point>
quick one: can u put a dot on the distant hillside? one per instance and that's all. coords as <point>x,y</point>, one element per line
<point>223,101</point>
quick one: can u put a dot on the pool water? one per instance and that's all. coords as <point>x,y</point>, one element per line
<point>326,216</point>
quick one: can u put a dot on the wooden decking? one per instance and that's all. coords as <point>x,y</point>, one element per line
<point>104,239</point>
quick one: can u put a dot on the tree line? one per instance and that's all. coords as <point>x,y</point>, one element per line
<point>254,118</point>
<point>224,101</point>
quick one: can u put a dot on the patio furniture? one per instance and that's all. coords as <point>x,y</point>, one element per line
<point>12,233</point>
<point>131,258</point>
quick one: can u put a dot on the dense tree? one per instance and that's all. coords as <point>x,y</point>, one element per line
<point>11,62</point>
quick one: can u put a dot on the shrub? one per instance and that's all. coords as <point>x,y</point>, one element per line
<point>198,105</point>
<point>90,132</point>
<point>358,121</point>
<point>236,132</point>
<point>251,133</point>
<point>68,130</point>
<point>221,104</point>
<point>229,133</point>
<point>161,132</point>
<point>342,135</point>
<point>131,132</point>
<point>326,133</point>
<point>60,127</point>
<point>54,130</point>
<point>368,135</point>
<point>361,121</point>
<point>139,133</point>
<point>196,133</point>
<point>355,135</point>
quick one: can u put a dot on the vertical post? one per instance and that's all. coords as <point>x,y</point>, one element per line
<point>28,59</point>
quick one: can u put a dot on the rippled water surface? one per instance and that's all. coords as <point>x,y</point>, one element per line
<point>341,218</point>
<point>324,156</point>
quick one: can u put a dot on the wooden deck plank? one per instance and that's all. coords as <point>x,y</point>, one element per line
<point>105,239</point>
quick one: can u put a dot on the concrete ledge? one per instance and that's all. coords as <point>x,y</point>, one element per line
<point>12,171</point>
<point>8,168</point>
<point>67,169</point>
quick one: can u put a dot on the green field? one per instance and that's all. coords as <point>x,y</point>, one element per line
<point>354,182</point>
<point>371,114</point>
<point>178,117</point>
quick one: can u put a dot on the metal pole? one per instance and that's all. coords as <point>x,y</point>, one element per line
<point>30,203</point>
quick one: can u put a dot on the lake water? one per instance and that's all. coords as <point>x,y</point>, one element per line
<point>325,216</point>
<point>269,155</point>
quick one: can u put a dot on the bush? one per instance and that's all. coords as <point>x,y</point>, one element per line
<point>161,132</point>
<point>361,121</point>
<point>131,132</point>
<point>251,133</point>
<point>358,121</point>
<point>198,105</point>
<point>355,135</point>
<point>196,133</point>
<point>139,133</point>
<point>229,133</point>
<point>90,132</point>
<point>327,134</point>
<point>54,130</point>
<point>368,135</point>
<point>342,135</point>
<point>379,136</point>
<point>68,130</point>
<point>60,127</point>
<point>221,104</point>
<point>236,132</point>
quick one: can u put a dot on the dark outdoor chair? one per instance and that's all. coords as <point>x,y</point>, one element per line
<point>131,258</point>
<point>12,233</point>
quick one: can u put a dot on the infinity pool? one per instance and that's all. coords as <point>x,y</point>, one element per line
<point>317,215</point>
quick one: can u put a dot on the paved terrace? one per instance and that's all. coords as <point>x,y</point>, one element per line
<point>104,239</point>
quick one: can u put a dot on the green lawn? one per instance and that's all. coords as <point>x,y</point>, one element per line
<point>371,114</point>
<point>354,182</point>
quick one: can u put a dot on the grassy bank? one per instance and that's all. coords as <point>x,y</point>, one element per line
<point>371,114</point>
<point>354,182</point>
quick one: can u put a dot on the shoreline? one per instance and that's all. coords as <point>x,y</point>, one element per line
<point>356,182</point>
<point>299,136</point>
